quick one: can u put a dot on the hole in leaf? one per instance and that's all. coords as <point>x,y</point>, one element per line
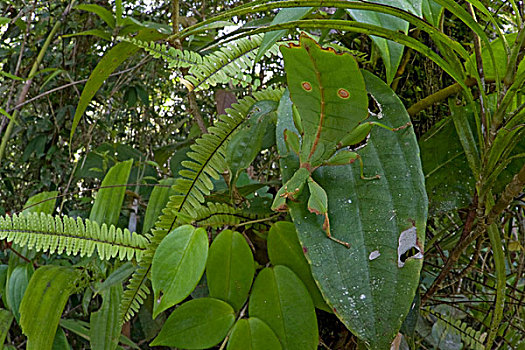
<point>408,247</point>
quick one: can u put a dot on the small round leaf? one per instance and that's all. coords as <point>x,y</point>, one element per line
<point>281,300</point>
<point>230,268</point>
<point>284,249</point>
<point>197,324</point>
<point>253,334</point>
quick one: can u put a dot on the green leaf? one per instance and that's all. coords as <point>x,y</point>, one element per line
<point>253,334</point>
<point>198,324</point>
<point>60,342</point>
<point>448,178</point>
<point>17,283</point>
<point>364,285</point>
<point>431,11</point>
<point>95,32</point>
<point>106,209</point>
<point>105,323</point>
<point>246,144</point>
<point>281,300</point>
<point>391,52</point>
<point>100,11</point>
<point>6,318</point>
<point>284,249</point>
<point>4,20</point>
<point>9,116</point>
<point>500,55</point>
<point>116,277</point>
<point>318,201</point>
<point>157,201</point>
<point>111,60</point>
<point>177,266</point>
<point>313,84</point>
<point>284,15</point>
<point>44,202</point>
<point>43,302</point>
<point>230,268</point>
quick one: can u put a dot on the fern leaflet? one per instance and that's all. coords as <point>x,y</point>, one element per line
<point>221,214</point>
<point>207,162</point>
<point>55,234</point>
<point>219,67</point>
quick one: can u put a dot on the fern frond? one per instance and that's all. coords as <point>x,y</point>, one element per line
<point>221,214</point>
<point>472,338</point>
<point>174,57</point>
<point>55,234</point>
<point>193,186</point>
<point>229,63</point>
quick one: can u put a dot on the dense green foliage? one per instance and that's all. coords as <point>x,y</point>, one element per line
<point>144,144</point>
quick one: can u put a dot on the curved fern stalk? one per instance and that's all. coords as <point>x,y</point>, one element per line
<point>55,234</point>
<point>174,57</point>
<point>207,162</point>
<point>229,63</point>
<point>221,214</point>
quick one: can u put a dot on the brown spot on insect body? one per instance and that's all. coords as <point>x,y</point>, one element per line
<point>343,93</point>
<point>306,86</point>
<point>305,250</point>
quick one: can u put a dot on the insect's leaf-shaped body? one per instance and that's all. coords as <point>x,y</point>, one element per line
<point>329,92</point>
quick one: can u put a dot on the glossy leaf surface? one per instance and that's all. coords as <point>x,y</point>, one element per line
<point>197,324</point>
<point>281,300</point>
<point>253,334</point>
<point>331,102</point>
<point>370,296</point>
<point>44,202</point>
<point>230,268</point>
<point>43,302</point>
<point>284,249</point>
<point>177,266</point>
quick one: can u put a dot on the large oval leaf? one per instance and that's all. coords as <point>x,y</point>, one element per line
<point>366,285</point>
<point>284,249</point>
<point>230,268</point>
<point>197,324</point>
<point>281,300</point>
<point>253,334</point>
<point>178,266</point>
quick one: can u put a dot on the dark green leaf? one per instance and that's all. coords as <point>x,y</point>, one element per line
<point>391,52</point>
<point>365,286</point>
<point>230,268</point>
<point>284,15</point>
<point>284,249</point>
<point>17,283</point>
<point>177,266</point>
<point>253,334</point>
<point>197,324</point>
<point>281,300</point>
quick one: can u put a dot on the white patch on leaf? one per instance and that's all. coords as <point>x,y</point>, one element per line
<point>408,243</point>
<point>374,255</point>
